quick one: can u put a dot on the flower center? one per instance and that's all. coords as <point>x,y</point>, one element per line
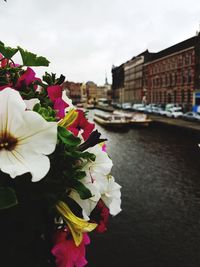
<point>7,141</point>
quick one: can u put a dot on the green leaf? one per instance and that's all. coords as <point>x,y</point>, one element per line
<point>67,137</point>
<point>30,59</point>
<point>60,80</point>
<point>8,198</point>
<point>7,51</point>
<point>83,191</point>
<point>47,113</point>
<point>80,175</point>
<point>88,155</point>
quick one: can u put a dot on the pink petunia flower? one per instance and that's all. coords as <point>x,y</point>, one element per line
<point>67,254</point>
<point>55,94</point>
<point>27,78</point>
<point>3,61</point>
<point>81,123</point>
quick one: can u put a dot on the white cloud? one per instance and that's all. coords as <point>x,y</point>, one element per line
<point>83,38</point>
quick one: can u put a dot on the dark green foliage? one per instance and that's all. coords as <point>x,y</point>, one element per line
<point>30,59</point>
<point>7,51</point>
<point>8,198</point>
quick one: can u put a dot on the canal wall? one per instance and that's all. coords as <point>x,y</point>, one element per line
<point>178,124</point>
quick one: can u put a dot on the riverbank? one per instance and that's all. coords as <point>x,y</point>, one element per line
<point>190,126</point>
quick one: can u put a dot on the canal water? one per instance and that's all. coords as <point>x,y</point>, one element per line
<point>159,226</point>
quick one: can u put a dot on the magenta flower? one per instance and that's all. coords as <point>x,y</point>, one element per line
<point>81,123</point>
<point>3,61</point>
<point>67,254</point>
<point>27,78</point>
<point>55,94</point>
<point>100,215</point>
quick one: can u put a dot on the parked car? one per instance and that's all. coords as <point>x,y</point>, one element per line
<point>138,107</point>
<point>126,106</point>
<point>175,112</point>
<point>163,112</point>
<point>191,116</point>
<point>118,105</point>
<point>148,109</point>
<point>156,110</point>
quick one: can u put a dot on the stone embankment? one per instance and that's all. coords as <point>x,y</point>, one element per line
<point>178,123</point>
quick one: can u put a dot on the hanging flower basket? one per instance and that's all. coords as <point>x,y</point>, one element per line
<point>55,174</point>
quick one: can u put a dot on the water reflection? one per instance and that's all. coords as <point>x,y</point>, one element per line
<point>159,170</point>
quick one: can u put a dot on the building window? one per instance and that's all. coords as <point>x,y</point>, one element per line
<point>175,96</point>
<point>189,76</point>
<point>160,95</point>
<point>165,96</point>
<point>169,98</point>
<point>190,59</point>
<point>188,96</point>
<point>170,79</point>
<point>156,97</point>
<point>166,80</point>
<point>175,78</point>
<point>186,60</point>
<point>183,77</point>
<point>182,96</point>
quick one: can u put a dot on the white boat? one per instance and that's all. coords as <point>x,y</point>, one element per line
<point>121,119</point>
<point>111,120</point>
<point>90,106</point>
<point>135,118</point>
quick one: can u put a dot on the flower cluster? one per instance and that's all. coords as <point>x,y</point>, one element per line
<point>55,174</point>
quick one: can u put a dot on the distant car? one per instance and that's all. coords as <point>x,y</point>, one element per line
<point>156,110</point>
<point>191,116</point>
<point>126,106</point>
<point>163,112</point>
<point>118,105</point>
<point>138,107</point>
<point>148,109</point>
<point>174,112</point>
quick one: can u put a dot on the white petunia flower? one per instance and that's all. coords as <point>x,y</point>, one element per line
<point>31,103</point>
<point>67,100</point>
<point>25,138</point>
<point>112,196</point>
<point>100,183</point>
<point>102,164</point>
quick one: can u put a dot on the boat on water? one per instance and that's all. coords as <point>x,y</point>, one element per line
<point>111,120</point>
<point>121,119</point>
<point>90,106</point>
<point>135,118</point>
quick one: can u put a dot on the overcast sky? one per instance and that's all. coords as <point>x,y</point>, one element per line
<point>83,38</point>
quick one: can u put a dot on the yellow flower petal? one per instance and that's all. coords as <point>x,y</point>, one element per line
<point>69,118</point>
<point>77,225</point>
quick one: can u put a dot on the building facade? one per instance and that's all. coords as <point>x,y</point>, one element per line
<point>103,90</point>
<point>73,90</point>
<point>118,84</point>
<point>172,76</point>
<point>134,89</point>
<point>91,92</point>
<point>168,76</point>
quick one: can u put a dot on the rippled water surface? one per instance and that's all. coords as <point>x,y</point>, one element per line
<point>159,226</point>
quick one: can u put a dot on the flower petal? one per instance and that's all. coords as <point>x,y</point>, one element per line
<point>17,164</point>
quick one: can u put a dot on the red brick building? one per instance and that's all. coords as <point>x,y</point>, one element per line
<point>172,75</point>
<point>73,91</point>
<point>168,76</point>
